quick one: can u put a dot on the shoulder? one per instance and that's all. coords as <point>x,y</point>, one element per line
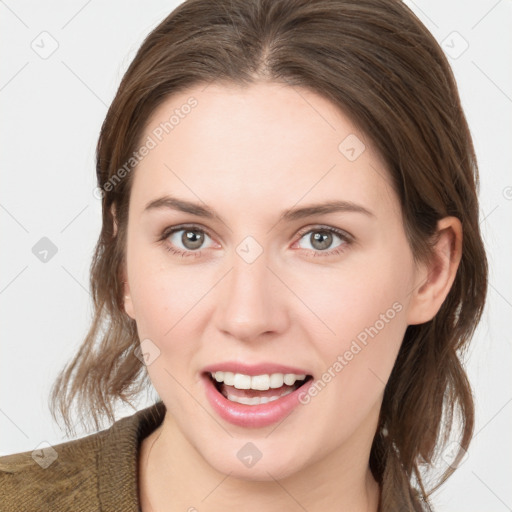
<point>96,472</point>
<point>56,477</point>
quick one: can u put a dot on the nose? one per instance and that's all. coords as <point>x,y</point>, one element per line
<point>252,302</point>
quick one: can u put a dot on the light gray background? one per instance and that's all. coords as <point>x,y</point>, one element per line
<point>52,110</point>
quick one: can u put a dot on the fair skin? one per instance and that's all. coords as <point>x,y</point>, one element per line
<point>249,154</point>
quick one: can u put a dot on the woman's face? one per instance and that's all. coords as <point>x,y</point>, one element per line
<point>260,279</point>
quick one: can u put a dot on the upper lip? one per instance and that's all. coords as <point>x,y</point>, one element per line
<point>254,369</point>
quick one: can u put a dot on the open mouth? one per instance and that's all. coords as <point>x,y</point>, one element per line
<point>257,389</point>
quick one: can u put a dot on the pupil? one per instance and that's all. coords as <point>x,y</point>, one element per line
<point>192,239</point>
<point>323,238</point>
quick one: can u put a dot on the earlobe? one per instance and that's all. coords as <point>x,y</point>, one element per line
<point>127,296</point>
<point>127,300</point>
<point>436,278</point>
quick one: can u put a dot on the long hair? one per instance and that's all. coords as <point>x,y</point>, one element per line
<point>377,63</point>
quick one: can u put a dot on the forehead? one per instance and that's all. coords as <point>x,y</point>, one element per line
<point>266,141</point>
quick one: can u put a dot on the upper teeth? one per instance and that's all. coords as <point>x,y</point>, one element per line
<point>259,382</point>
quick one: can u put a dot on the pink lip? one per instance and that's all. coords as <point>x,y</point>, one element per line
<point>253,416</point>
<point>254,369</point>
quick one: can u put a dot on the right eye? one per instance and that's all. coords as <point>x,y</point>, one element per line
<point>184,240</point>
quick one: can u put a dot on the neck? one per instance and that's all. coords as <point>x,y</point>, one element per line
<point>175,477</point>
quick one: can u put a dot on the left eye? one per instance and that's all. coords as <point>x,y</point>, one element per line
<point>321,239</point>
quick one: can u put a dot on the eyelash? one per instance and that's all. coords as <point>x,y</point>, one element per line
<point>345,237</point>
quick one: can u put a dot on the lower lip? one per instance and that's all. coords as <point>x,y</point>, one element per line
<point>253,416</point>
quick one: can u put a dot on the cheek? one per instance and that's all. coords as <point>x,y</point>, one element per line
<point>164,296</point>
<point>167,305</point>
<point>345,301</point>
<point>363,321</point>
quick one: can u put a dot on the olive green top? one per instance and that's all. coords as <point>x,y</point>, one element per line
<point>97,472</point>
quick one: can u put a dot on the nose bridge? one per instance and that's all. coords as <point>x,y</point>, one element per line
<point>250,304</point>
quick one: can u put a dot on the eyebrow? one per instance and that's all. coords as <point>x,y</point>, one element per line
<point>173,203</point>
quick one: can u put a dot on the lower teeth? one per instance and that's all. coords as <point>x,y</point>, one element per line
<point>255,400</point>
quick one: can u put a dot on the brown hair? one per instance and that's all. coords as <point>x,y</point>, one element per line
<point>375,61</point>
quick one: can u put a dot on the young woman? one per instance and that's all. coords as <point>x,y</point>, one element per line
<point>290,254</point>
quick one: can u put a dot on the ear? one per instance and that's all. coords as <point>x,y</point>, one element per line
<point>435,278</point>
<point>114,217</point>
<point>127,298</point>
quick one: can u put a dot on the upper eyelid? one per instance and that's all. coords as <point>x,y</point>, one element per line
<point>167,232</point>
<point>332,229</point>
